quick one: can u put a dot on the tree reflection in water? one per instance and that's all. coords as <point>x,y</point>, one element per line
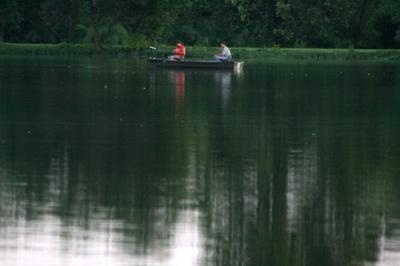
<point>203,168</point>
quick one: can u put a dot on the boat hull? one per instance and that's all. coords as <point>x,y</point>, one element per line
<point>195,64</point>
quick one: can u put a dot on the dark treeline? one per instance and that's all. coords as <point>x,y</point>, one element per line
<point>285,23</point>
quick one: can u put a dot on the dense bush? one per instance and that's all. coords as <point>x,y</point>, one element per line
<point>267,23</point>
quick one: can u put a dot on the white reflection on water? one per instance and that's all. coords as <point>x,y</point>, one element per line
<point>389,254</point>
<point>186,245</point>
<point>48,241</point>
<point>33,234</point>
<point>42,242</point>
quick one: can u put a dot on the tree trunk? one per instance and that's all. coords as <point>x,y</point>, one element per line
<point>94,18</point>
<point>2,27</point>
<point>71,27</point>
<point>360,21</point>
<point>365,7</point>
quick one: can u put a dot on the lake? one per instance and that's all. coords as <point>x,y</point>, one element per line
<point>108,162</point>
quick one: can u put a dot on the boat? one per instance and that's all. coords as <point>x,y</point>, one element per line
<point>159,62</point>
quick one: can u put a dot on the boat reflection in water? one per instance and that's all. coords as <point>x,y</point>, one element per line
<point>177,83</point>
<point>178,78</point>
<point>223,79</point>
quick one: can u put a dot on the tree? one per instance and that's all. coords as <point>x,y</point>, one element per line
<point>299,23</point>
<point>62,17</point>
<point>315,23</point>
<point>94,23</point>
<point>208,22</point>
<point>375,24</point>
<point>9,18</point>
<point>260,18</point>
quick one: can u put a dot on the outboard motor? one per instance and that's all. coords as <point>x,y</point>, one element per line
<point>153,51</point>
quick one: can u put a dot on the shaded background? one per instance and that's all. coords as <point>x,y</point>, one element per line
<point>140,23</point>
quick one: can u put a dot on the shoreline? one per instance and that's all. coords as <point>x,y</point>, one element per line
<point>198,52</point>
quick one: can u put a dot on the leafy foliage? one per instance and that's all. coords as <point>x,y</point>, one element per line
<point>283,23</point>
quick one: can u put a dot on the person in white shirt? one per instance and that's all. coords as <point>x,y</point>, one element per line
<point>225,54</point>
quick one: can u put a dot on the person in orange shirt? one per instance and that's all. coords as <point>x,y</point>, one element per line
<point>179,52</point>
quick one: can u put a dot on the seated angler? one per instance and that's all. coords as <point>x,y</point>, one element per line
<point>225,54</point>
<point>179,52</point>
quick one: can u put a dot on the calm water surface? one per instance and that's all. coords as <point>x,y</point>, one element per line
<point>109,162</point>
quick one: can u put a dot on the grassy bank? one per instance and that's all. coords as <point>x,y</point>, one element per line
<point>244,53</point>
<point>64,49</point>
<point>240,53</point>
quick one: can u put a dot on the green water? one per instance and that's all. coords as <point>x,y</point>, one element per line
<point>109,162</point>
